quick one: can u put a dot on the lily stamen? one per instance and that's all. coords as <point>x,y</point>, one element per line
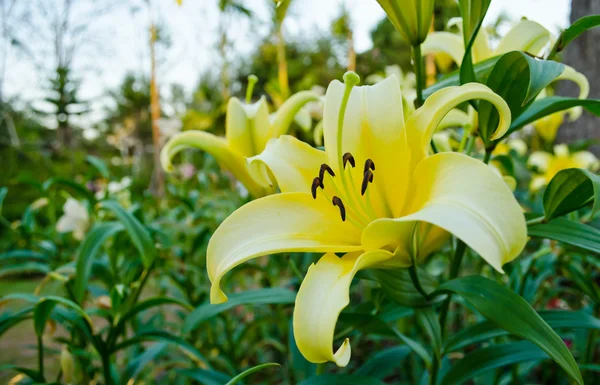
<point>367,178</point>
<point>369,165</point>
<point>338,202</point>
<point>316,184</point>
<point>325,167</point>
<point>348,158</point>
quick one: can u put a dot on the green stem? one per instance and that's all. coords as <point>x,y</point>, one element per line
<point>414,276</point>
<point>487,156</point>
<point>454,270</point>
<point>106,369</point>
<point>435,367</point>
<point>418,62</point>
<point>320,369</point>
<point>536,221</point>
<point>40,347</point>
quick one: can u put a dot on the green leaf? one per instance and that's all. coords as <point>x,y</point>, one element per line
<point>472,13</point>
<point>577,28</point>
<point>138,233</point>
<point>331,379</point>
<point>551,104</point>
<point>24,268</point>
<point>482,71</point>
<point>99,165</point>
<point>569,232</point>
<point>70,185</point>
<point>88,251</point>
<point>570,190</point>
<point>397,286</point>
<point>23,254</point>
<point>9,320</point>
<point>486,330</point>
<point>513,314</point>
<point>583,282</point>
<point>205,377</point>
<point>428,320</point>
<point>33,374</point>
<point>490,358</point>
<point>161,336</point>
<point>3,192</point>
<point>384,362</point>
<point>248,372</point>
<point>137,364</point>
<point>44,307</point>
<point>150,303</point>
<point>253,297</point>
<point>518,79</point>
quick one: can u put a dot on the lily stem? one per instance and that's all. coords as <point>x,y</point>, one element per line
<point>454,269</point>
<point>320,369</point>
<point>418,62</point>
<point>414,276</point>
<point>40,346</point>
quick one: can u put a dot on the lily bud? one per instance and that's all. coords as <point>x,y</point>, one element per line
<point>66,365</point>
<point>412,18</point>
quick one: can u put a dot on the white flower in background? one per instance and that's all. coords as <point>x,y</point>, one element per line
<point>75,219</point>
<point>169,126</point>
<point>115,187</point>
<point>187,171</point>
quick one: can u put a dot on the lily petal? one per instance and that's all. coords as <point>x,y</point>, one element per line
<point>287,112</point>
<point>373,129</point>
<point>293,163</point>
<point>217,147</point>
<point>247,126</point>
<point>322,296</point>
<point>422,123</point>
<point>444,42</point>
<point>584,88</point>
<point>465,197</point>
<point>274,224</point>
<point>527,36</point>
<point>585,160</point>
<point>540,160</point>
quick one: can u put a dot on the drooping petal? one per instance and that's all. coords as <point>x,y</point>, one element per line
<point>274,224</point>
<point>217,147</point>
<point>293,163</point>
<point>322,296</point>
<point>584,88</point>
<point>465,197</point>
<point>444,42</point>
<point>527,36</point>
<point>247,126</point>
<point>286,113</point>
<point>373,129</point>
<point>422,124</point>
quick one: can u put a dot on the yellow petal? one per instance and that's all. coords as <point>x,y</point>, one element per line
<point>322,296</point>
<point>585,160</point>
<point>444,42</point>
<point>275,224</point>
<point>540,160</point>
<point>454,118</point>
<point>373,129</point>
<point>527,36</point>
<point>548,126</point>
<point>465,197</point>
<point>217,147</point>
<point>481,47</point>
<point>285,115</point>
<point>293,163</point>
<point>247,126</point>
<point>422,123</point>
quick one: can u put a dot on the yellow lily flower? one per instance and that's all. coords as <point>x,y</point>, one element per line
<point>547,165</point>
<point>517,145</point>
<point>248,128</point>
<point>374,193</point>
<point>526,35</point>
<point>412,18</point>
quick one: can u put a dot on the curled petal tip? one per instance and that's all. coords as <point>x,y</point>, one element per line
<point>216,295</point>
<point>342,355</point>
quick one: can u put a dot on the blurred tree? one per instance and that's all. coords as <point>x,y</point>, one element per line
<point>130,114</point>
<point>206,109</point>
<point>342,29</point>
<point>280,11</point>
<point>582,54</point>
<point>228,9</point>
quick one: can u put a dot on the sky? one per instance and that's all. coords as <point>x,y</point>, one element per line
<point>193,27</point>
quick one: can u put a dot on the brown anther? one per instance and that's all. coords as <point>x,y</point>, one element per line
<point>369,165</point>
<point>348,158</point>
<point>315,184</point>
<point>367,178</point>
<point>338,202</point>
<point>325,167</point>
